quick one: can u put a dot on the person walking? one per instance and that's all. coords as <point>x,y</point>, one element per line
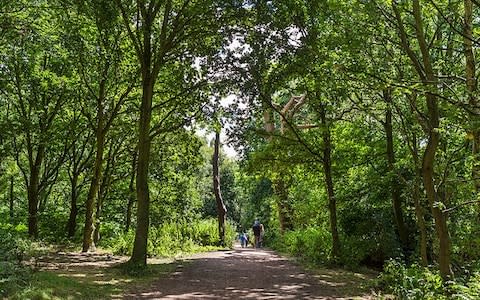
<point>257,232</point>
<point>243,240</point>
<point>262,233</point>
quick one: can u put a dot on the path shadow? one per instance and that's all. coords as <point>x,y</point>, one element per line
<point>82,276</point>
<point>249,274</point>
<point>66,260</point>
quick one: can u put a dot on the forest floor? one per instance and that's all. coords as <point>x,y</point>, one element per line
<point>253,274</point>
<point>234,274</point>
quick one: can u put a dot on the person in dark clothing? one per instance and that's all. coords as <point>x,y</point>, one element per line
<point>257,232</point>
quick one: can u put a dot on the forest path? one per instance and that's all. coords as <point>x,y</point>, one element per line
<point>251,274</point>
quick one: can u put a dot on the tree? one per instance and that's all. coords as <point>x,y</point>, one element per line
<point>221,209</point>
<point>472,88</point>
<point>161,32</point>
<point>425,71</point>
<point>79,161</point>
<point>108,80</point>
<point>39,84</point>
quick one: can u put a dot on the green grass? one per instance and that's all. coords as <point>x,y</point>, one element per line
<point>94,282</point>
<point>347,283</point>
<point>89,283</point>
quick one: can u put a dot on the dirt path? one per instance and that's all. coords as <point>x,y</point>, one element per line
<point>250,274</point>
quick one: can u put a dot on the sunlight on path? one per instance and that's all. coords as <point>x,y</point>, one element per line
<point>249,274</point>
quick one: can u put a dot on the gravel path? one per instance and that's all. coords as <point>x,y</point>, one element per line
<point>250,274</point>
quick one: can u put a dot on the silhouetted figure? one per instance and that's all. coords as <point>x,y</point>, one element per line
<point>258,233</point>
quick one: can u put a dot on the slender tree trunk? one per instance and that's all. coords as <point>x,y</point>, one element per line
<point>90,204</point>
<point>33,206</point>
<point>221,209</point>
<point>279,186</point>
<point>103,190</point>
<point>96,231</point>
<point>139,254</point>
<point>72,219</point>
<point>268,122</point>
<point>98,212</point>
<point>284,207</point>
<point>470,74</point>
<point>131,193</point>
<point>429,80</point>
<point>395,191</point>
<point>432,195</point>
<point>431,149</point>
<point>419,211</point>
<point>476,161</point>
<point>33,188</point>
<point>327,169</point>
<point>420,222</point>
<point>12,197</point>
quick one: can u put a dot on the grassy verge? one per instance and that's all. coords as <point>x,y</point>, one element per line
<point>90,282</point>
<point>350,282</point>
<point>353,284</point>
<point>72,276</point>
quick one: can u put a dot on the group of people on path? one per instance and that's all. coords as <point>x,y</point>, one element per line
<point>258,232</point>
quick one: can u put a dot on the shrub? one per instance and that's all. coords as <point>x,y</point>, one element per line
<point>368,236</point>
<point>51,226</point>
<point>171,239</point>
<point>415,282</point>
<point>121,244</point>
<point>14,248</point>
<point>471,290</point>
<point>412,282</point>
<point>14,245</point>
<point>312,244</point>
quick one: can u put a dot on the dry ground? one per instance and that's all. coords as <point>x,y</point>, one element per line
<point>235,274</point>
<point>251,274</point>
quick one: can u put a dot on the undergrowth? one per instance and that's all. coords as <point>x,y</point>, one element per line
<point>416,282</point>
<point>14,249</point>
<point>173,239</point>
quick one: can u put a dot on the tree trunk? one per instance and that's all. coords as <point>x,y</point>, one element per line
<point>98,211</point>
<point>90,204</point>
<point>284,208</point>
<point>12,197</point>
<point>431,149</point>
<point>471,81</point>
<point>131,194</point>
<point>420,222</point>
<point>72,219</point>
<point>476,161</point>
<point>268,122</point>
<point>429,80</point>
<point>221,209</point>
<point>419,212</point>
<point>396,200</point>
<point>33,188</point>
<point>432,196</point>
<point>327,169</point>
<point>139,254</point>
<point>104,189</point>
<point>279,186</point>
<point>96,231</point>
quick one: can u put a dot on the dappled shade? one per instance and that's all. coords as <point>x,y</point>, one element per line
<point>248,273</point>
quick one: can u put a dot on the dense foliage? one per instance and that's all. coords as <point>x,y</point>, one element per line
<point>13,251</point>
<point>356,125</point>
